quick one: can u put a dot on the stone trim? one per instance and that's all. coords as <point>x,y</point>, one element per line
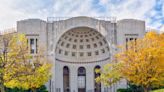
<point>82,62</point>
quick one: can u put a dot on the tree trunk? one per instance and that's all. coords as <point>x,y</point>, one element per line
<point>2,88</point>
<point>146,89</point>
<point>34,90</point>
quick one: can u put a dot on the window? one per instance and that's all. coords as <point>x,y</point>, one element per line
<point>73,54</point>
<point>81,46</point>
<point>81,35</point>
<point>36,45</point>
<point>32,46</point>
<point>104,41</point>
<point>75,40</point>
<point>65,79</point>
<point>126,43</point>
<point>89,53</point>
<point>81,79</point>
<point>97,85</point>
<point>81,54</point>
<point>59,41</point>
<point>131,39</point>
<point>27,43</point>
<point>70,39</point>
<point>95,45</point>
<point>66,53</point>
<point>100,35</point>
<point>92,39</point>
<point>62,43</point>
<point>74,47</point>
<point>88,46</point>
<point>65,37</point>
<point>100,43</point>
<point>103,51</point>
<point>60,51</point>
<point>97,53</point>
<point>87,40</point>
<point>107,48</point>
<point>86,35</point>
<point>97,37</point>
<point>81,40</point>
<point>67,45</point>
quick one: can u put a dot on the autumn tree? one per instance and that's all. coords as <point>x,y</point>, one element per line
<point>141,63</point>
<point>21,69</point>
<point>4,48</point>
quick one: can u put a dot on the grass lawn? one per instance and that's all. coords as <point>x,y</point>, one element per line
<point>159,90</point>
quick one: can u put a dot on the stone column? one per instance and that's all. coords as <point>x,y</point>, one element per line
<point>89,79</point>
<point>73,78</point>
<point>58,77</point>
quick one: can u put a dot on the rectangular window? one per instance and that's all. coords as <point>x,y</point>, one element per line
<point>126,43</point>
<point>88,46</point>
<point>67,45</point>
<point>103,51</point>
<point>81,54</point>
<point>95,45</point>
<point>36,45</point>
<point>32,46</point>
<point>73,54</point>
<point>60,51</point>
<point>81,81</point>
<point>81,46</point>
<point>66,53</point>
<point>74,46</point>
<point>97,53</point>
<point>89,53</point>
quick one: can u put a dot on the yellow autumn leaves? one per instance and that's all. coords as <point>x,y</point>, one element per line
<point>21,69</point>
<point>142,63</point>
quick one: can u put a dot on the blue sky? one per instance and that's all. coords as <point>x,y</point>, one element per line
<point>152,11</point>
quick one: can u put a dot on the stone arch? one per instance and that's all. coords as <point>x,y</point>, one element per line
<point>98,46</point>
<point>81,21</point>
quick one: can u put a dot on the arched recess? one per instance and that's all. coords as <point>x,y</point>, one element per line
<point>97,85</point>
<point>102,32</point>
<point>81,79</point>
<point>66,81</point>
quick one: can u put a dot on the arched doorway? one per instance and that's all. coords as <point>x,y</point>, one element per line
<point>66,83</point>
<point>97,85</point>
<point>81,79</point>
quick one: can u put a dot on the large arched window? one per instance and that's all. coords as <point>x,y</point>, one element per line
<point>66,87</point>
<point>81,79</point>
<point>97,85</point>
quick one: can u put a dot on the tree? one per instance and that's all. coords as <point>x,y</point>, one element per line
<point>141,63</point>
<point>4,59</point>
<point>21,69</point>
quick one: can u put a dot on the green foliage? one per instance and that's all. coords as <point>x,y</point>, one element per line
<point>124,90</point>
<point>42,89</point>
<point>135,88</point>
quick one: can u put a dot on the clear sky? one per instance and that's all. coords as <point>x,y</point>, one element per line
<point>152,11</point>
